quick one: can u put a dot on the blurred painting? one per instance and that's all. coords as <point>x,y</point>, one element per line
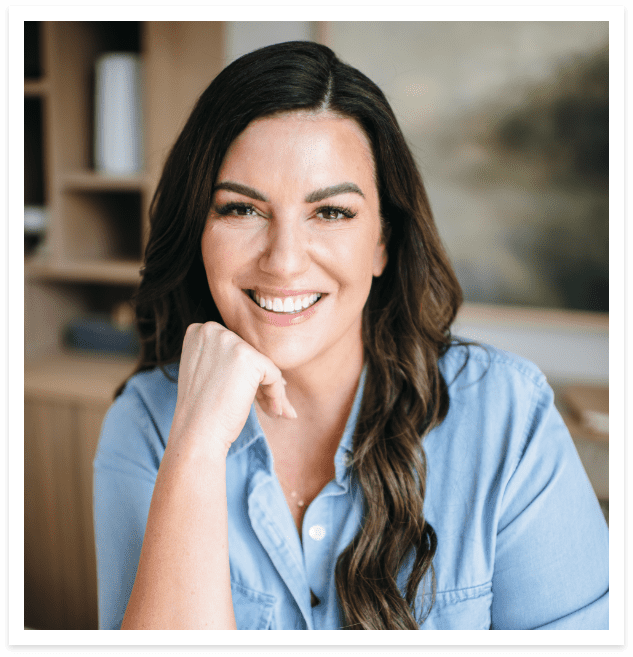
<point>543,165</point>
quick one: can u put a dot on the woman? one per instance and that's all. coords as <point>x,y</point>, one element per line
<point>264,467</point>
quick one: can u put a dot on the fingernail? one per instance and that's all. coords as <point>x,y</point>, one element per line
<point>284,381</point>
<point>292,414</point>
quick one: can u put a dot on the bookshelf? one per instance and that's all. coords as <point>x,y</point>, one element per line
<point>97,224</point>
<point>87,263</point>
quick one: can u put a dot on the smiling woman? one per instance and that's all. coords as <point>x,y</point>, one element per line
<point>304,445</point>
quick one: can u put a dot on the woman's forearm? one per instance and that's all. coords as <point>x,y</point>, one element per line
<point>183,578</point>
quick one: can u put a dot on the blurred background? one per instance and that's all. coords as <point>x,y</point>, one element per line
<point>508,122</point>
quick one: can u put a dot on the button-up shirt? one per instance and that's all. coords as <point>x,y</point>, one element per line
<point>522,542</point>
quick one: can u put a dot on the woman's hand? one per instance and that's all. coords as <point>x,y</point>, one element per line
<point>220,375</point>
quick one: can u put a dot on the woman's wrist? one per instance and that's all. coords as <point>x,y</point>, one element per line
<point>196,448</point>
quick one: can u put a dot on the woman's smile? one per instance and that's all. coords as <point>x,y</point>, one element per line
<point>284,311</point>
<point>284,304</point>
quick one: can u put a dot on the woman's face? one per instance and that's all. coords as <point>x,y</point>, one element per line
<point>293,239</point>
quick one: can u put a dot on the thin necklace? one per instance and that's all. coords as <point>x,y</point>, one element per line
<point>293,493</point>
<point>295,497</point>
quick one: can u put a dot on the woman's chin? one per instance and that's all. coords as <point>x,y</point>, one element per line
<point>287,360</point>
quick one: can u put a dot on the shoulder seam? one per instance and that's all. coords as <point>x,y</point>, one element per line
<point>494,355</point>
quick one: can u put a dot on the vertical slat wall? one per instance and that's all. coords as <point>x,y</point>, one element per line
<point>60,570</point>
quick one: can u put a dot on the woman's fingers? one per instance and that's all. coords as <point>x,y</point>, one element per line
<point>220,375</point>
<point>274,402</point>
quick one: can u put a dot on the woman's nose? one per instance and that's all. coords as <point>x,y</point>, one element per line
<point>285,253</point>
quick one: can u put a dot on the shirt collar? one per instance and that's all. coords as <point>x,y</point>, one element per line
<point>252,430</point>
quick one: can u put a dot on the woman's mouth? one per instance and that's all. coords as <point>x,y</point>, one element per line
<point>285,305</point>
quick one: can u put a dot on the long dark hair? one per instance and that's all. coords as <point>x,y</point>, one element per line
<point>406,319</point>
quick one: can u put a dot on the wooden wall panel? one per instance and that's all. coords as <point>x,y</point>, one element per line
<point>42,580</point>
<point>42,532</point>
<point>60,568</point>
<point>90,419</point>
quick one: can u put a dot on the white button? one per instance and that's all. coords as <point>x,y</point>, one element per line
<point>347,459</point>
<point>316,532</point>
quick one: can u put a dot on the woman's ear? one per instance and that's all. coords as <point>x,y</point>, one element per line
<point>380,259</point>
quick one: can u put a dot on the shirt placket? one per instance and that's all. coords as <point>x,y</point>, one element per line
<point>273,524</point>
<point>322,529</point>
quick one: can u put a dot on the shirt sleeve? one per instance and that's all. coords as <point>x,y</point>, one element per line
<point>551,558</point>
<point>125,469</point>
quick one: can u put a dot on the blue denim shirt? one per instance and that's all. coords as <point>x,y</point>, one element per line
<point>522,542</point>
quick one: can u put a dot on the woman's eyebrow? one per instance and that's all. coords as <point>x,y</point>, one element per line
<point>313,197</point>
<point>326,192</point>
<point>241,189</point>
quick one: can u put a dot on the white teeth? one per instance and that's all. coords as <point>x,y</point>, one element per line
<point>287,304</point>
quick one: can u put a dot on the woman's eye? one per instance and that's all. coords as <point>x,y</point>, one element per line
<point>330,213</point>
<point>236,210</point>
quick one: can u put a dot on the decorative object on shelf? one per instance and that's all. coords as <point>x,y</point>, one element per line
<point>123,316</point>
<point>118,114</point>
<point>102,333</point>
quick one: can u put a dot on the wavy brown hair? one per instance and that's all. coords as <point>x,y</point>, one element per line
<point>406,319</point>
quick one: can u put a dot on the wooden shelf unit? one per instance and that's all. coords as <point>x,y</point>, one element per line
<point>88,263</point>
<point>98,224</point>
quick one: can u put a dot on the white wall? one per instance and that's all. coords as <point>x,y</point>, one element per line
<point>243,37</point>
